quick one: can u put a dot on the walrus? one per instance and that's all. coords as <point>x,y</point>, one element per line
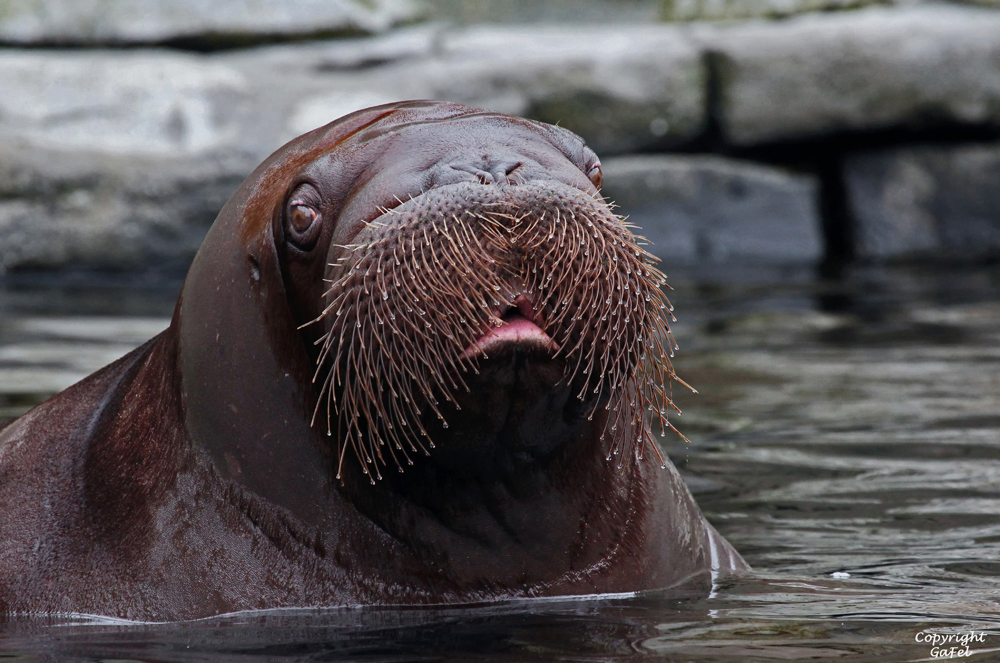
<point>417,359</point>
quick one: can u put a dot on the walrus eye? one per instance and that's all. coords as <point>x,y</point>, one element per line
<point>303,219</point>
<point>595,174</point>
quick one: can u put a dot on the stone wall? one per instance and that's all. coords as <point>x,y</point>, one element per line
<point>871,134</point>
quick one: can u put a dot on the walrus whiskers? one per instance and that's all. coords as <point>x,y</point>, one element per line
<point>407,303</point>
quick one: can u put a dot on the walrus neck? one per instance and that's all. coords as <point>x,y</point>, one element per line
<point>526,522</point>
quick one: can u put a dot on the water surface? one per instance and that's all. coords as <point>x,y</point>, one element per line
<point>845,438</point>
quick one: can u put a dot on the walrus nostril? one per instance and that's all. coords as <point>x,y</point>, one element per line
<point>506,172</point>
<point>503,172</point>
<point>488,171</point>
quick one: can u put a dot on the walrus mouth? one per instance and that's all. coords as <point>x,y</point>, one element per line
<point>519,324</point>
<point>429,288</point>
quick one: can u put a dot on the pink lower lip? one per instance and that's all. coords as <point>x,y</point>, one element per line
<point>517,329</point>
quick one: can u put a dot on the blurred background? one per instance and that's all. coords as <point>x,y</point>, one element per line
<point>794,133</point>
<point>810,153</point>
<point>821,179</point>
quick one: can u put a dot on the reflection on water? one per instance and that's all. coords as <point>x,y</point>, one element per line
<point>846,439</point>
<point>53,335</point>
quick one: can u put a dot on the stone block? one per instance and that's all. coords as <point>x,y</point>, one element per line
<point>709,209</point>
<point>866,70</point>
<point>138,102</point>
<point>728,10</point>
<point>930,201</point>
<point>99,211</point>
<point>622,88</point>
<point>119,159</point>
<point>94,22</point>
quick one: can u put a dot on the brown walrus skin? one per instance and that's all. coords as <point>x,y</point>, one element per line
<point>195,476</point>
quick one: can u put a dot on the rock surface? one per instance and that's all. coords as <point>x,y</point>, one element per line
<point>123,156</point>
<point>95,22</point>
<point>126,156</point>
<point>92,210</point>
<point>131,102</point>
<point>621,87</point>
<point>918,202</point>
<point>857,71</point>
<point>715,210</point>
<point>714,10</point>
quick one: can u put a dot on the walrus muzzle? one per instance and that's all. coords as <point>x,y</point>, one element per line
<point>418,294</point>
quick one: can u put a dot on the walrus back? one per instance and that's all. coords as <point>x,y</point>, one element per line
<point>44,483</point>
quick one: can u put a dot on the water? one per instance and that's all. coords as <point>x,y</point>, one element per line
<point>846,439</point>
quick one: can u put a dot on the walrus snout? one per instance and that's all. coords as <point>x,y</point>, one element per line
<point>490,168</point>
<point>419,297</point>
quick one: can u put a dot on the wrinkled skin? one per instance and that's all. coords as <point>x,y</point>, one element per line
<point>186,479</point>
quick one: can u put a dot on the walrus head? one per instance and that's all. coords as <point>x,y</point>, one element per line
<point>427,279</point>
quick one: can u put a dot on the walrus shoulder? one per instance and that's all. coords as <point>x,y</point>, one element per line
<point>43,470</point>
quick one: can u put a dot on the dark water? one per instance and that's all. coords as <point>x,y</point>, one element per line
<point>846,439</point>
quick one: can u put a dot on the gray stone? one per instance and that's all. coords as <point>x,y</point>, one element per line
<point>132,102</point>
<point>93,210</point>
<point>151,21</point>
<point>864,70</point>
<point>932,201</point>
<point>120,159</point>
<point>620,87</point>
<point>532,12</point>
<point>715,10</point>
<point>716,210</point>
<point>415,42</point>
